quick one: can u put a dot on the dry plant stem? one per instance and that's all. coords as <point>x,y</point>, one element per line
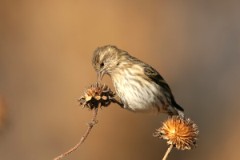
<point>84,137</point>
<point>167,152</point>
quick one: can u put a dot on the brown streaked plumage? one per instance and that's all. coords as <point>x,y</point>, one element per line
<point>139,86</point>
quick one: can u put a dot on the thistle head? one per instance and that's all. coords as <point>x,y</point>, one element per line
<point>180,132</point>
<point>106,59</point>
<point>97,95</point>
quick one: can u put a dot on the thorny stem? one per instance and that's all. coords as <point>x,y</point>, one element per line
<point>167,152</point>
<point>84,137</point>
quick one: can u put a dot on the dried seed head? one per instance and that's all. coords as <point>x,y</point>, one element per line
<point>97,95</point>
<point>182,133</point>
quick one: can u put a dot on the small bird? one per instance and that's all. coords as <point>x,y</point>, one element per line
<point>139,86</point>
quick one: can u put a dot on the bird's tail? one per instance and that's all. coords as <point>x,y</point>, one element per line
<point>180,112</point>
<point>178,108</point>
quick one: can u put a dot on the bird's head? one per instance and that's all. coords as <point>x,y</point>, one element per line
<point>106,59</point>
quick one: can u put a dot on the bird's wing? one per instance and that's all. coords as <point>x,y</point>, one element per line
<point>157,78</point>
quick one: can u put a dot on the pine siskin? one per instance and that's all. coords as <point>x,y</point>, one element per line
<point>139,86</point>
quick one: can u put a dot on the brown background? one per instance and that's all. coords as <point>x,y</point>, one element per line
<point>45,64</point>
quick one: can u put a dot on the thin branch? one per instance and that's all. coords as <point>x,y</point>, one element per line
<point>84,137</point>
<point>167,152</point>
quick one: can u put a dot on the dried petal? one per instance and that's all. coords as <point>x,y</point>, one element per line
<point>88,98</point>
<point>104,97</point>
<point>97,97</point>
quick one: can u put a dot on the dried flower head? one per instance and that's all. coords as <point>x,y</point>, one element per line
<point>97,95</point>
<point>180,132</point>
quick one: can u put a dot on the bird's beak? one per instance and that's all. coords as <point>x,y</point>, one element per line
<point>100,75</point>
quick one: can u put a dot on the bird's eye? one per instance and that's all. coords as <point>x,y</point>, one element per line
<point>102,64</point>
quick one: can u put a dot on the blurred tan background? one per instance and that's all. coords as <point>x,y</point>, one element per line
<point>45,65</point>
